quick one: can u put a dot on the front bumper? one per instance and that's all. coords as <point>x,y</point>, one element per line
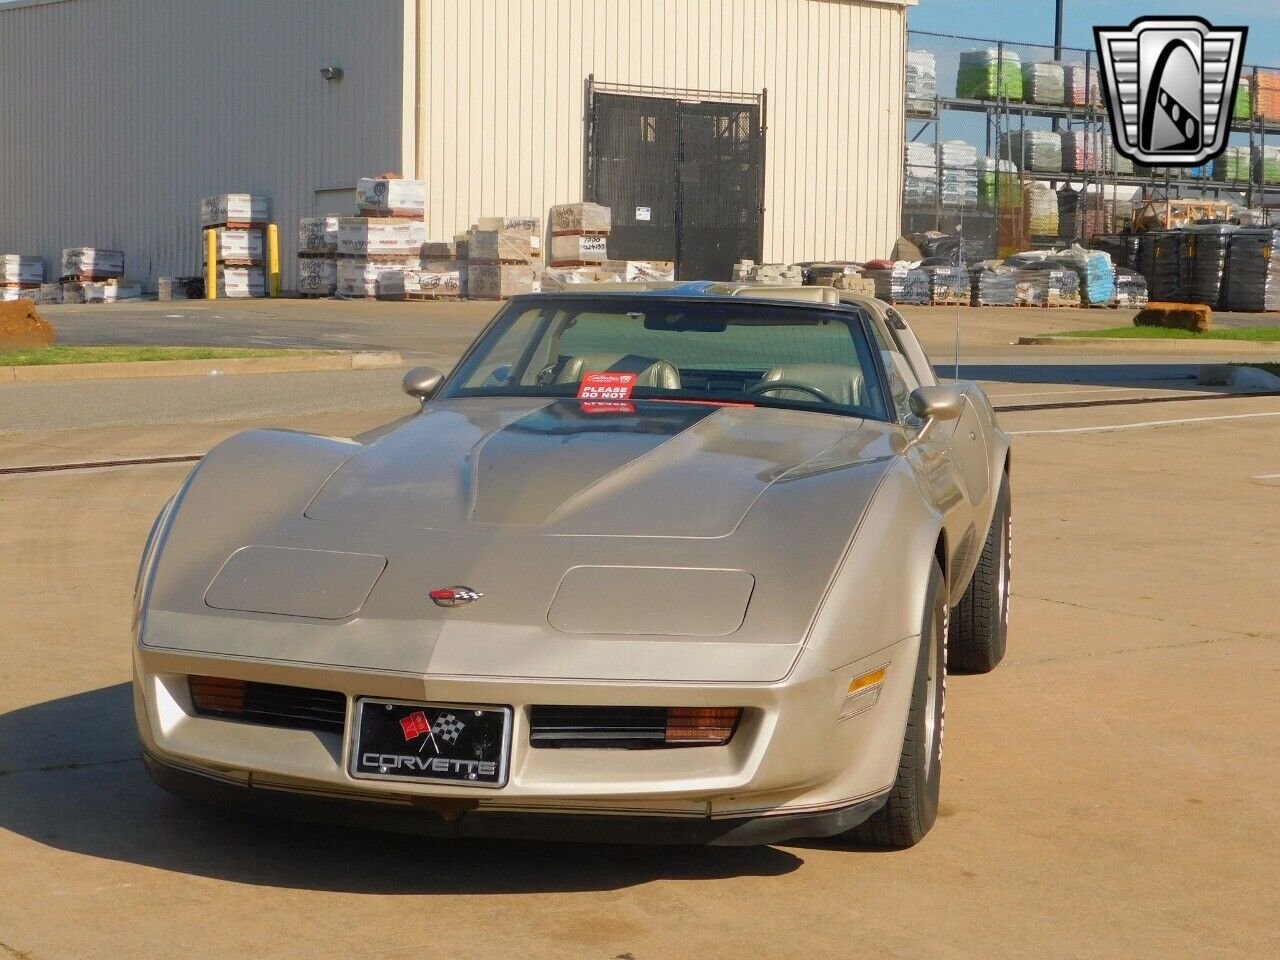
<point>793,767</point>
<point>441,819</point>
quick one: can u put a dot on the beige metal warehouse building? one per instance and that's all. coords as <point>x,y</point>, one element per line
<point>714,128</point>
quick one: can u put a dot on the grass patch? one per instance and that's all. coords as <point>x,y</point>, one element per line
<point>1255,334</point>
<point>43,356</point>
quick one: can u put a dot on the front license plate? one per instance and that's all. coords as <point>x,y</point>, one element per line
<point>420,742</point>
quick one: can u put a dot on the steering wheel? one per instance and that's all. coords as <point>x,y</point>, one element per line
<point>768,386</point>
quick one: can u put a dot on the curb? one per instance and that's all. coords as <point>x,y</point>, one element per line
<point>1238,379</point>
<point>1176,344</point>
<point>364,360</point>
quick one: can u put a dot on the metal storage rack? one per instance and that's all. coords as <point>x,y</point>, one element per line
<point>1003,116</point>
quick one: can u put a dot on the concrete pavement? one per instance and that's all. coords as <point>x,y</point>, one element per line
<point>1108,792</point>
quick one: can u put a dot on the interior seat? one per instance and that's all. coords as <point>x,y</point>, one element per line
<point>844,385</point>
<point>649,371</point>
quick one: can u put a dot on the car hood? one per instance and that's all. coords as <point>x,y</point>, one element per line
<point>643,469</point>
<point>601,541</point>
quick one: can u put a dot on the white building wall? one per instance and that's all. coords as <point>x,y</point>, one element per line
<point>117,116</point>
<point>502,98</point>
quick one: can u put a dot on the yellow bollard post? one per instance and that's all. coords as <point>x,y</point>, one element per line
<point>210,265</point>
<point>273,260</point>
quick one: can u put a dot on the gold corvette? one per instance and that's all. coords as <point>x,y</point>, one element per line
<point>664,563</point>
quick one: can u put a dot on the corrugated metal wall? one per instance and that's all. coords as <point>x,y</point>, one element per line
<point>503,91</point>
<point>117,117</point>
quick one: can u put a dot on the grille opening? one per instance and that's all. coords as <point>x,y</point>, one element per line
<point>269,704</point>
<point>631,728</point>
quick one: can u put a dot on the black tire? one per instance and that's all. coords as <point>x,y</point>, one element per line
<point>912,806</point>
<point>980,626</point>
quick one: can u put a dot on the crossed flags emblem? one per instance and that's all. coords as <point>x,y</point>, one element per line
<point>446,726</point>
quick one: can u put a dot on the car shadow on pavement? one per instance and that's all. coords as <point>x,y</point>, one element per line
<point>70,778</point>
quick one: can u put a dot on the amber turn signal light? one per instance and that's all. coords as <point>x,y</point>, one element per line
<point>701,725</point>
<point>217,694</point>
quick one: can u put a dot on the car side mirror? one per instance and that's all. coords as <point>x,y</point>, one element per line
<point>940,402</point>
<point>422,382</point>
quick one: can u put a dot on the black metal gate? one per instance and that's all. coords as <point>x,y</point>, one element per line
<point>682,171</point>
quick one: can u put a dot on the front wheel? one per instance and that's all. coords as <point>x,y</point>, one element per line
<point>981,622</point>
<point>912,806</point>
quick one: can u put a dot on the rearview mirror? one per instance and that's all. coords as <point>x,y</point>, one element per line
<point>422,382</point>
<point>940,402</point>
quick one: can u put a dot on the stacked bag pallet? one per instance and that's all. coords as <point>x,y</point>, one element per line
<point>920,185</point>
<point>1160,260</point>
<point>959,174</point>
<point>922,82</point>
<point>1254,271</point>
<point>1113,160</point>
<point>1131,288</point>
<point>240,220</point>
<point>318,256</point>
<point>1266,94</point>
<point>1233,165</point>
<point>87,273</point>
<point>998,184</point>
<point>1043,286</point>
<point>1033,150</point>
<point>1266,164</point>
<point>1082,86</point>
<point>377,247</point>
<point>1122,248</point>
<point>993,284</point>
<point>1204,263</point>
<point>1081,213</point>
<point>948,285</point>
<point>21,277</point>
<point>989,74</point>
<point>1094,271</point>
<point>1242,108</point>
<point>898,281</point>
<point>1041,208</point>
<point>1082,151</point>
<point>1044,83</point>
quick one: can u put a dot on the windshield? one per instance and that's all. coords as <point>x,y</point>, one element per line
<point>626,348</point>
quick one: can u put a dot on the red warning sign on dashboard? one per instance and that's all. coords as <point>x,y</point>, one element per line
<point>606,386</point>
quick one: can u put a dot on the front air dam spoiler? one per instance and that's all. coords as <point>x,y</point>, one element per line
<point>208,787</point>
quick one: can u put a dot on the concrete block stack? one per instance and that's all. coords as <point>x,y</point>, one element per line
<point>580,234</point>
<point>318,256</point>
<point>376,248</point>
<point>21,277</point>
<point>768,274</point>
<point>112,291</point>
<point>240,220</point>
<point>438,278</point>
<point>180,288</point>
<point>504,257</point>
<point>80,266</point>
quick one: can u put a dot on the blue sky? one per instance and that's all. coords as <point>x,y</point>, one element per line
<point>1031,21</point>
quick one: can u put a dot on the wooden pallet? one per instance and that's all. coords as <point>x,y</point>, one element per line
<point>1054,305</point>
<point>235,225</point>
<point>424,297</point>
<point>958,300</point>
